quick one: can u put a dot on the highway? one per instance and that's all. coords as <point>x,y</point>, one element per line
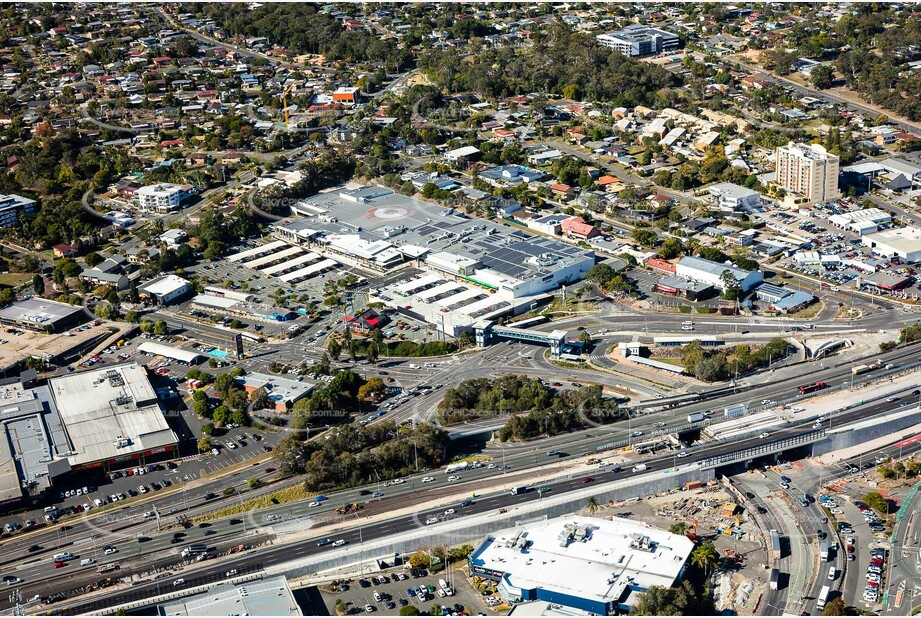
<point>410,493</point>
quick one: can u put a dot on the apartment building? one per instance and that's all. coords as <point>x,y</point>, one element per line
<point>809,171</point>
<point>639,40</point>
<point>162,198</point>
<point>14,206</point>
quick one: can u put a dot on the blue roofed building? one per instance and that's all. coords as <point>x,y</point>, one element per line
<point>582,563</point>
<point>783,299</point>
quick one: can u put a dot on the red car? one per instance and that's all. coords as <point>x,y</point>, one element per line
<point>587,479</point>
<point>59,564</point>
<point>269,470</point>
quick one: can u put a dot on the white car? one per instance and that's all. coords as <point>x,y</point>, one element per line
<point>431,520</point>
<point>681,455</point>
<point>313,504</point>
<point>428,479</point>
<point>491,466</point>
<point>765,435</point>
<point>231,445</point>
<point>110,550</point>
<point>339,543</point>
<point>659,424</point>
<point>453,478</point>
<point>449,512</point>
<point>397,482</point>
<point>837,512</point>
<point>230,573</point>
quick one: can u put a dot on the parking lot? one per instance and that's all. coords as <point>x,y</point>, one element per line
<point>391,592</point>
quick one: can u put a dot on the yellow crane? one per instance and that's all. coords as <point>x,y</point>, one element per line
<point>284,102</point>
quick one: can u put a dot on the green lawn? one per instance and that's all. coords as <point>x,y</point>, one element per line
<point>15,279</point>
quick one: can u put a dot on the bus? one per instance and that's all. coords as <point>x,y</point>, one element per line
<point>252,338</point>
<point>811,388</point>
<point>822,599</point>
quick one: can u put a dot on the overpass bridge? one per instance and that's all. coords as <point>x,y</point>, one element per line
<point>761,450</point>
<point>488,332</point>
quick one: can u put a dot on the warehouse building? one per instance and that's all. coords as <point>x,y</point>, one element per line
<point>230,307</point>
<point>41,315</point>
<point>102,419</point>
<point>269,596</point>
<point>582,563</point>
<point>167,351</point>
<point>282,392</point>
<point>731,197</point>
<point>902,242</point>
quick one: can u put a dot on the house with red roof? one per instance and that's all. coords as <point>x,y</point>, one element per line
<point>576,227</point>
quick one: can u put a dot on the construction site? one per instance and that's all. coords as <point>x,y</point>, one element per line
<point>711,512</point>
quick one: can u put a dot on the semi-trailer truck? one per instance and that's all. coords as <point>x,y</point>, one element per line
<point>735,410</point>
<point>696,418</point>
<point>519,490</point>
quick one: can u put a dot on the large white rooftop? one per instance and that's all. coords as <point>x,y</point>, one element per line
<point>595,559</point>
<point>110,412</point>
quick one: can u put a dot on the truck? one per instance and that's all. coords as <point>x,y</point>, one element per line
<point>775,579</point>
<point>735,410</point>
<point>823,551</point>
<point>859,369</point>
<point>457,467</point>
<point>813,387</point>
<point>775,544</point>
<point>108,568</point>
<point>696,418</point>
<point>639,468</point>
<point>519,490</point>
<point>193,550</point>
<point>822,599</point>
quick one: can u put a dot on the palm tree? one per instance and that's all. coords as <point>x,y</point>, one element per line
<point>705,556</point>
<point>592,505</point>
<point>678,528</point>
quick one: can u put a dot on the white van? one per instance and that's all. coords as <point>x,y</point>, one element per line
<point>87,562</point>
<point>831,573</point>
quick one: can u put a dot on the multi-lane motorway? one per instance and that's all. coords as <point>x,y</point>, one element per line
<point>42,578</point>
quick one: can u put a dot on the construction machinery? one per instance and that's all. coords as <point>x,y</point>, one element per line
<point>349,508</point>
<point>284,102</point>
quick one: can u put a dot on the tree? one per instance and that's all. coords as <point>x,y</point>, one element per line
<point>207,429</point>
<point>334,348</point>
<point>592,505</point>
<point>372,352</point>
<point>645,237</point>
<point>92,259</point>
<point>835,607</point>
<point>822,76</point>
<point>104,310</point>
<point>38,284</point>
<point>409,610</point>
<point>372,389</point>
<point>671,248</point>
<point>259,398</point>
<point>731,288</point>
<point>877,502</point>
<point>253,483</point>
<point>705,557</point>
<point>678,528</point>
<point>204,445</point>
<point>160,328</point>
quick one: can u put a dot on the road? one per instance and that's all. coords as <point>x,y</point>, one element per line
<point>865,108</point>
<point>411,492</point>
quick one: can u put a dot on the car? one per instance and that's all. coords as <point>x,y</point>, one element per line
<point>110,550</point>
<point>682,454</point>
<point>364,492</point>
<point>179,582</point>
<point>389,604</point>
<point>431,520</point>
<point>453,478</point>
<point>378,494</point>
<point>659,424</point>
<point>785,479</point>
<point>552,453</point>
<point>891,399</point>
<point>785,485</point>
<point>764,435</point>
<point>449,512</point>
<point>428,479</point>
<point>587,480</point>
<point>33,548</point>
<point>411,592</point>
<point>230,573</point>
<point>364,583</point>
<point>339,543</point>
<point>636,434</point>
<point>543,490</point>
<point>58,564</point>
<point>836,512</point>
<point>324,542</point>
<point>403,602</point>
<point>313,504</point>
